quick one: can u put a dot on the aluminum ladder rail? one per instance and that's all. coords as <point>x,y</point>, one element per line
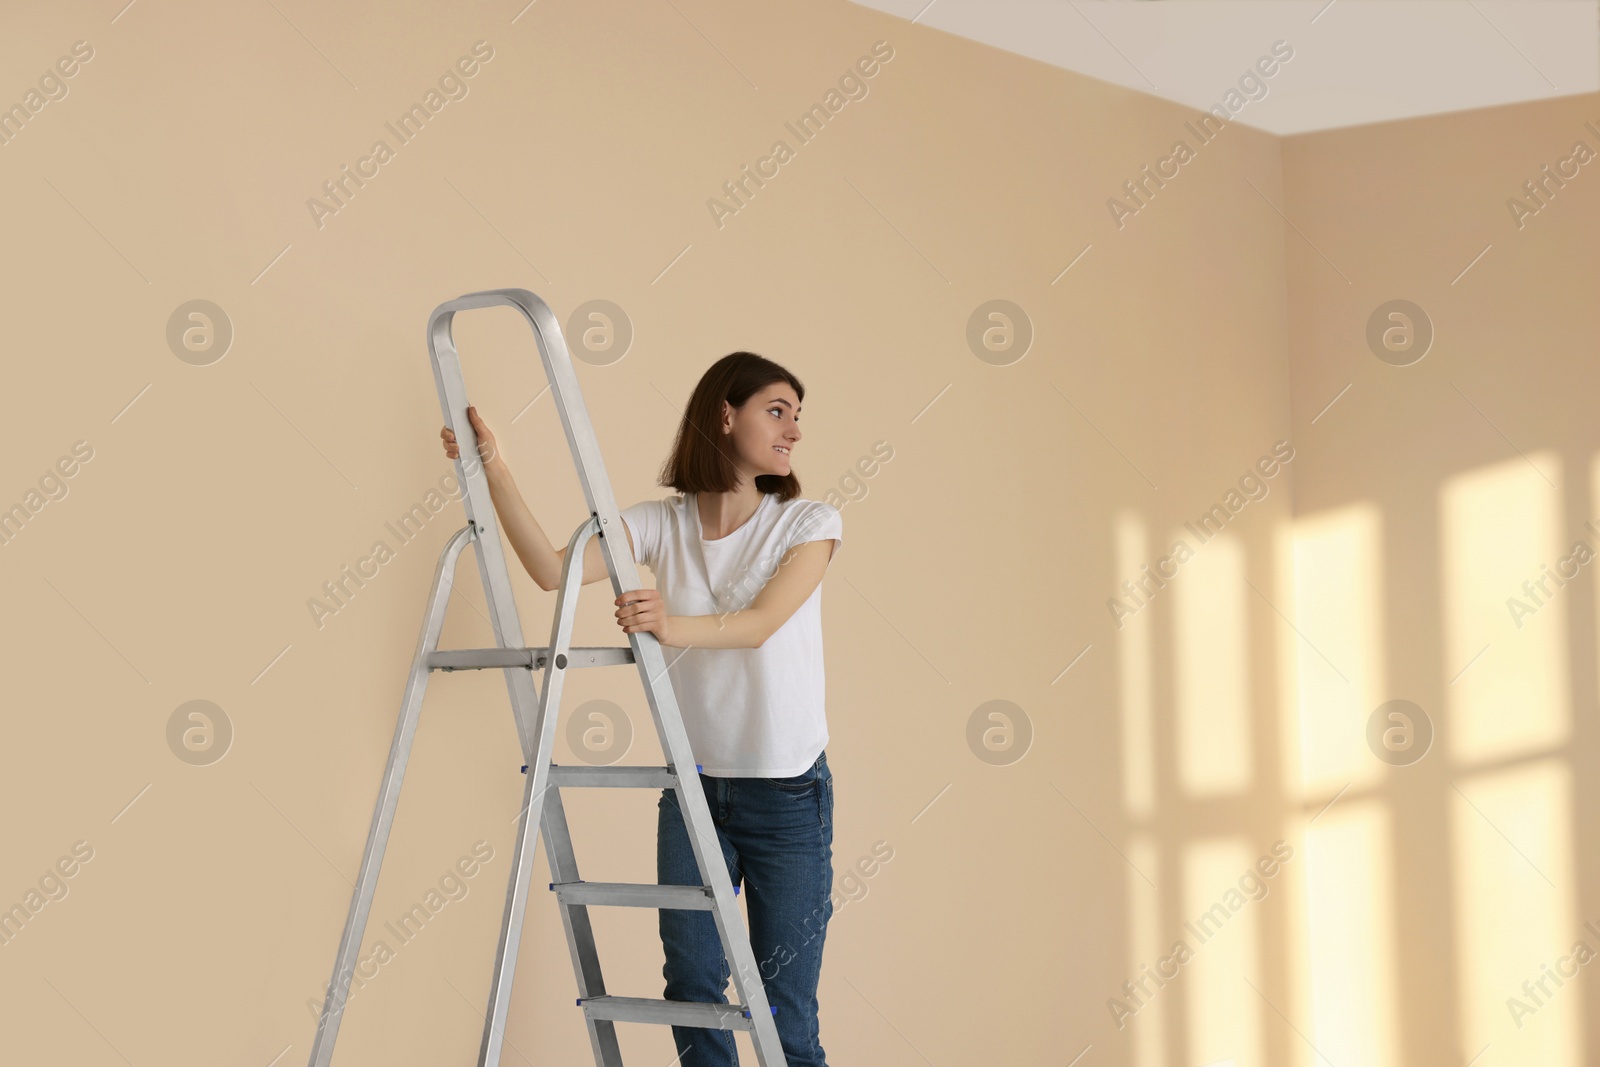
<point>536,716</point>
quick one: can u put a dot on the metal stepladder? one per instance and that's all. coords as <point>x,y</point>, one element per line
<point>535,715</point>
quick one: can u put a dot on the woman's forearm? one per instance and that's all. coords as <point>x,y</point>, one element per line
<point>527,538</point>
<point>738,629</point>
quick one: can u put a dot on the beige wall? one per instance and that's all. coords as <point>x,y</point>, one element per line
<point>1426,497</point>
<point>1173,355</point>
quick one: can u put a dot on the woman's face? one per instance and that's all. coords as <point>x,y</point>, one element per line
<point>765,431</point>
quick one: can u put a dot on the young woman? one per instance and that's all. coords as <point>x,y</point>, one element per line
<point>740,558</point>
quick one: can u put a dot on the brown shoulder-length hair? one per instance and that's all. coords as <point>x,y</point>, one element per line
<point>699,463</point>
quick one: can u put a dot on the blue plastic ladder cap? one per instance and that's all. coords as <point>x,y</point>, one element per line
<point>580,1002</point>
<point>774,1008</point>
<point>735,890</point>
<point>552,885</point>
<point>697,768</point>
<point>524,768</point>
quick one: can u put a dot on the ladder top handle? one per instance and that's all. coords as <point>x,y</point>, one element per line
<point>563,380</point>
<point>535,310</point>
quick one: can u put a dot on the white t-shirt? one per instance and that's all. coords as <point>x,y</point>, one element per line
<point>749,712</point>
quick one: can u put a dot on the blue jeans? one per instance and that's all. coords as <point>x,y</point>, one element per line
<point>777,837</point>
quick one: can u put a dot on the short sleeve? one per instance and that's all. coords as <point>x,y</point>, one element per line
<point>644,521</point>
<point>819,522</point>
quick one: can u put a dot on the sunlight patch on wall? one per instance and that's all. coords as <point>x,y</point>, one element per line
<point>1338,572</point>
<point>1515,923</point>
<point>1507,688</point>
<point>1590,536</point>
<point>1150,944</point>
<point>1210,640</point>
<point>1224,1013</point>
<point>1353,939</point>
<point>1134,669</point>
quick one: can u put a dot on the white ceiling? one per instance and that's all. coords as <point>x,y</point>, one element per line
<point>1354,62</point>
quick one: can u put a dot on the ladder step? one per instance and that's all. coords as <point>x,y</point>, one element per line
<point>477,659</point>
<point>611,777</point>
<point>637,895</point>
<point>680,1012</point>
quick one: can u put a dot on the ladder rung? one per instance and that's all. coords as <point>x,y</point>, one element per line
<point>476,659</point>
<point>637,895</point>
<point>612,777</point>
<point>680,1012</point>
